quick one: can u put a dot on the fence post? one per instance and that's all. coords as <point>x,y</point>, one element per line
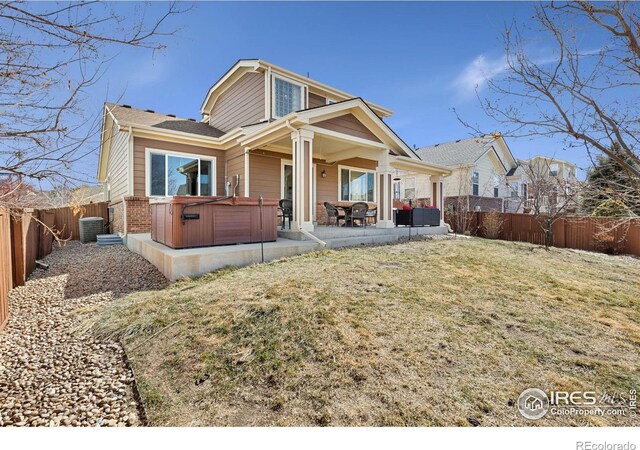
<point>17,250</point>
<point>558,229</point>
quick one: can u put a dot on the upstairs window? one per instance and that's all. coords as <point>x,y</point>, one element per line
<point>553,170</point>
<point>287,97</point>
<point>475,183</point>
<point>514,189</point>
<point>496,186</point>
<point>525,191</point>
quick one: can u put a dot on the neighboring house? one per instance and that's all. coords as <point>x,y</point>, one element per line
<point>541,182</point>
<point>479,167</point>
<point>268,131</point>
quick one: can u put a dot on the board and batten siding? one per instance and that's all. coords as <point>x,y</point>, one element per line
<point>241,104</point>
<point>348,124</point>
<point>139,161</point>
<point>118,174</point>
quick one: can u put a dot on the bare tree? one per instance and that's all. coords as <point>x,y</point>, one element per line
<point>470,193</point>
<point>51,56</point>
<point>550,195</point>
<point>587,95</point>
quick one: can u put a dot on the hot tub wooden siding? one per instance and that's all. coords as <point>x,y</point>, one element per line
<point>231,221</point>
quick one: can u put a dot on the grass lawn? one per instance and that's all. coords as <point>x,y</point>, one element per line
<point>420,333</point>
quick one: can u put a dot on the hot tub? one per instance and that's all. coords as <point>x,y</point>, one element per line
<point>185,221</point>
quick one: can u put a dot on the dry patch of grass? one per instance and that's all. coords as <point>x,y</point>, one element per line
<point>421,333</point>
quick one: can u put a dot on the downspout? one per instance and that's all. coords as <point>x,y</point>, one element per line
<point>299,229</point>
<point>129,176</point>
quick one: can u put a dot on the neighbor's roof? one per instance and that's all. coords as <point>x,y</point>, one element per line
<point>456,153</point>
<point>128,116</point>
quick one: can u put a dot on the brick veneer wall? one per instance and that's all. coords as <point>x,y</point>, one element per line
<point>138,214</point>
<point>117,225</point>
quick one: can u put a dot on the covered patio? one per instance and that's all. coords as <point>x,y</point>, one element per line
<point>341,154</point>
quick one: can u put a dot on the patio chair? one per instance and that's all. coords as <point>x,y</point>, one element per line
<point>358,212</point>
<point>372,214</point>
<point>334,214</point>
<point>286,206</point>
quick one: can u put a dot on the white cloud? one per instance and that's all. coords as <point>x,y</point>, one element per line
<point>477,72</point>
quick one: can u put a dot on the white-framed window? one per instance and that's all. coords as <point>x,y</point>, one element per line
<point>525,191</point>
<point>475,183</point>
<point>514,189</point>
<point>396,190</point>
<point>496,186</point>
<point>410,188</point>
<point>287,96</point>
<point>171,174</point>
<point>356,185</point>
<point>553,170</point>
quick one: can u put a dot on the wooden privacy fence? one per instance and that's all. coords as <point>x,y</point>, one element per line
<point>6,281</point>
<point>25,236</point>
<point>600,234</point>
<point>66,219</point>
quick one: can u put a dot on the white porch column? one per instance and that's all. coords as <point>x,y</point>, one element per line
<point>384,187</point>
<point>438,196</point>
<point>302,142</point>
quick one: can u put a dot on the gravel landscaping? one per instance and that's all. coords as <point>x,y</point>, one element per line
<point>52,371</point>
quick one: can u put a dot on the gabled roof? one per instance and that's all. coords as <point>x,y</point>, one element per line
<point>456,153</point>
<point>307,117</point>
<point>128,116</point>
<point>243,66</point>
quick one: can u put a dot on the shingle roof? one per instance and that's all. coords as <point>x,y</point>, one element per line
<point>133,116</point>
<point>460,152</point>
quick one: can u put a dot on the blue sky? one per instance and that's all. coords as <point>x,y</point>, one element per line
<point>420,59</point>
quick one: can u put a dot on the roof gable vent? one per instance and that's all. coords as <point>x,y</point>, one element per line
<point>171,115</point>
<point>149,111</point>
<point>126,106</point>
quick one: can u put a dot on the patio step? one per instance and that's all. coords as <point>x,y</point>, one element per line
<point>109,239</point>
<point>347,232</point>
<point>360,240</point>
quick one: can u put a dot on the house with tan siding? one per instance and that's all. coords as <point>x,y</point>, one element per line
<point>263,131</point>
<point>478,180</point>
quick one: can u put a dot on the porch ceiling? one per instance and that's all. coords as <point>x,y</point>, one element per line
<point>330,148</point>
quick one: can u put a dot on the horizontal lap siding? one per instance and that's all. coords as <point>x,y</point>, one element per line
<point>327,188</point>
<point>235,166</point>
<point>265,174</point>
<point>316,100</point>
<point>139,172</point>
<point>119,165</point>
<point>348,124</point>
<point>241,104</point>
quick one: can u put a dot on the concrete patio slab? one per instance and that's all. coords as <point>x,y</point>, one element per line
<point>179,263</point>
